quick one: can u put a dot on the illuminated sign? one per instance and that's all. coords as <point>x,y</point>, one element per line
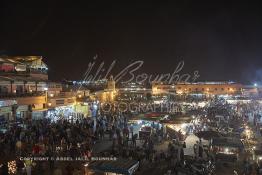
<point>5,110</point>
<point>7,103</point>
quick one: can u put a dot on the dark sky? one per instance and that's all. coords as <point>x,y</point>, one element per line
<point>221,40</point>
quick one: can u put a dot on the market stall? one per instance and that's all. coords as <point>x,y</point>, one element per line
<point>177,131</point>
<point>145,132</point>
<point>227,148</point>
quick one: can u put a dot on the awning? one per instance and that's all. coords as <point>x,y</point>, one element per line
<point>39,110</point>
<point>228,142</point>
<point>207,135</point>
<point>226,157</point>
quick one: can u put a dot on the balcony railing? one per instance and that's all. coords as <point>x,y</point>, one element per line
<point>27,72</point>
<point>17,95</point>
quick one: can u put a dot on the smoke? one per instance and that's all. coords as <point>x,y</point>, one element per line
<point>258,76</point>
<point>252,74</point>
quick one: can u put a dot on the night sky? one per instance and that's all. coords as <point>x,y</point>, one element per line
<point>223,41</point>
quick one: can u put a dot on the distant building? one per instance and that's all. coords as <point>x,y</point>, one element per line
<point>111,84</point>
<point>106,95</point>
<point>132,91</point>
<point>208,88</point>
<point>252,91</point>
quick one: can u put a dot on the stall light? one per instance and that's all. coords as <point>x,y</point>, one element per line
<point>139,122</point>
<point>183,125</point>
<point>179,92</point>
<point>49,104</point>
<point>79,96</point>
<point>51,95</point>
<point>12,167</point>
<point>45,88</point>
<point>86,165</point>
<point>260,158</point>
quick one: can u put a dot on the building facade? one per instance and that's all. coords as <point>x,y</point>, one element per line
<point>26,92</point>
<point>23,87</point>
<point>207,88</point>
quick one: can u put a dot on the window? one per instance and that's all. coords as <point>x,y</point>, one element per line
<point>70,100</point>
<point>215,89</point>
<point>189,89</point>
<point>60,102</point>
<point>222,89</point>
<point>196,89</point>
<point>203,89</point>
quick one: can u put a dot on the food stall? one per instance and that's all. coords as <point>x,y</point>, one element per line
<point>177,131</point>
<point>227,148</point>
<point>176,127</point>
<point>145,132</point>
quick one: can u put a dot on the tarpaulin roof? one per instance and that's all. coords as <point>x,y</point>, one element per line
<point>228,142</point>
<point>120,166</point>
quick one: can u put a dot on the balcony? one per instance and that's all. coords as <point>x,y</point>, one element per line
<point>19,95</point>
<point>61,95</point>
<point>40,74</point>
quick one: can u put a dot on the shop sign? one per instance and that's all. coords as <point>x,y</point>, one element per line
<point>22,108</point>
<point>7,103</point>
<point>5,110</point>
<point>20,67</point>
<point>81,109</point>
<point>37,106</point>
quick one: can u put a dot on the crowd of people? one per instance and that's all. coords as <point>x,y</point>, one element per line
<point>66,138</point>
<point>63,138</point>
